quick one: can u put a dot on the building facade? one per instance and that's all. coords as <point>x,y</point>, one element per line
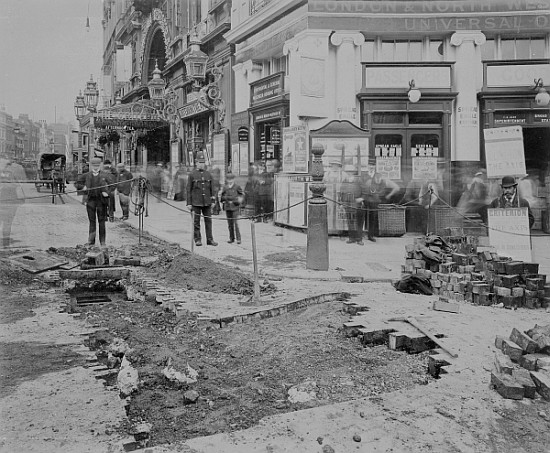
<point>141,37</point>
<point>422,79</point>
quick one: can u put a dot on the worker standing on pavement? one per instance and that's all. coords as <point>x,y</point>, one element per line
<point>95,188</point>
<point>201,197</point>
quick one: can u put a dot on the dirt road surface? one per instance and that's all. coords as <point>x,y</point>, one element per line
<point>362,399</point>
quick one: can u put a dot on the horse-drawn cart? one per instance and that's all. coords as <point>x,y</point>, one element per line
<point>51,172</point>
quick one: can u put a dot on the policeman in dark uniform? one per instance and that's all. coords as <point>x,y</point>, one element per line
<point>201,196</point>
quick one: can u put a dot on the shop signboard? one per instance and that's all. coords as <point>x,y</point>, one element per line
<point>295,155</point>
<point>243,134</point>
<point>267,88</point>
<point>509,233</point>
<point>424,168</point>
<point>504,152</point>
<point>541,117</point>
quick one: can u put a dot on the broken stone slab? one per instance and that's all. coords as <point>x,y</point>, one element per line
<point>523,378</point>
<point>141,431</point>
<point>190,397</point>
<point>503,364</point>
<point>507,386</point>
<point>524,341</point>
<point>533,362</point>
<point>542,383</point>
<point>127,379</point>
<point>541,335</point>
<point>512,350</point>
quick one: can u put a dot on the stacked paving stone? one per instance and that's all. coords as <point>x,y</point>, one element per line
<point>522,364</point>
<point>478,274</point>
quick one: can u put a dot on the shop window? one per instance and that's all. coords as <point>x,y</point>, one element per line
<point>423,118</point>
<point>388,118</point>
<point>425,145</point>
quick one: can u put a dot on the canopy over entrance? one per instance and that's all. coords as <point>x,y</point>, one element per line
<point>138,115</point>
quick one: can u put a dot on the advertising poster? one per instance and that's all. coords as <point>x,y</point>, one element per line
<point>243,153</point>
<point>296,194</point>
<point>351,152</point>
<point>281,200</point>
<point>509,233</point>
<point>235,159</point>
<point>424,168</point>
<point>389,167</point>
<point>295,150</point>
<point>504,151</point>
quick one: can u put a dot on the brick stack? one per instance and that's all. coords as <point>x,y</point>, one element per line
<point>478,274</point>
<point>522,364</point>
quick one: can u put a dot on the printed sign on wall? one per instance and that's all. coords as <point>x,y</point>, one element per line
<point>424,168</point>
<point>389,167</point>
<point>504,151</point>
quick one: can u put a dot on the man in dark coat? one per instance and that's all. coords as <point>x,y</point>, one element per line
<point>124,187</point>
<point>201,196</point>
<point>232,197</point>
<point>511,199</point>
<point>95,188</point>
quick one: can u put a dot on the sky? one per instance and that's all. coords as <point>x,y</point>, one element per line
<point>47,55</point>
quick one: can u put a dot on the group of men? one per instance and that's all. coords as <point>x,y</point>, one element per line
<point>99,186</point>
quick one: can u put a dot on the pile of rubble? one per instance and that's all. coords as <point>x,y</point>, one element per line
<point>522,364</point>
<point>461,270</point>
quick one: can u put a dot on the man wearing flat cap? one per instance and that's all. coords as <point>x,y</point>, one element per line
<point>201,196</point>
<point>511,199</point>
<point>96,191</point>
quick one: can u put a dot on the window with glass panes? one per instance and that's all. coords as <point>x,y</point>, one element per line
<point>395,50</point>
<point>504,48</point>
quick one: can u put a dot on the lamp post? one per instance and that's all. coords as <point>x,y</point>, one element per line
<point>80,111</point>
<point>195,62</point>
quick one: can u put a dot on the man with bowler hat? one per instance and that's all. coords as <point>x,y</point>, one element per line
<point>511,199</point>
<point>201,196</point>
<point>94,184</point>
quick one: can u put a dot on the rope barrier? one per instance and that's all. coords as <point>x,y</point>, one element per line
<point>141,189</point>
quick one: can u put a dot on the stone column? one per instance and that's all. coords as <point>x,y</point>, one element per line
<point>348,71</point>
<point>468,70</point>
<point>317,222</point>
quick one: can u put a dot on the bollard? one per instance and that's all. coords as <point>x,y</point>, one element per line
<point>317,256</point>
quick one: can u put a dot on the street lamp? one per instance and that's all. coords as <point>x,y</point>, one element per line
<point>156,86</point>
<point>542,98</point>
<point>195,61</point>
<point>414,93</point>
<point>79,106</point>
<point>91,94</point>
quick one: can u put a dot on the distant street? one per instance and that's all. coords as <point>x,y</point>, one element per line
<point>40,224</point>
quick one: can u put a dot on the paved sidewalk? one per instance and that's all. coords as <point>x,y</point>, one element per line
<point>282,251</point>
